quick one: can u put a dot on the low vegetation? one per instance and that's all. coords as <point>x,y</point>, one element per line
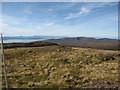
<point>60,66</point>
<point>30,44</point>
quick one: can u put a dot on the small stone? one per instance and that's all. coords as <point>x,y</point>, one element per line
<point>58,50</point>
<point>29,51</point>
<point>61,66</point>
<point>71,77</point>
<point>62,46</point>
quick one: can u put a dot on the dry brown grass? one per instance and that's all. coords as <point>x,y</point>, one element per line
<point>56,66</point>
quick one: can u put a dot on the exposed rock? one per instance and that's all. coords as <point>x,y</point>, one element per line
<point>29,51</point>
<point>71,77</point>
<point>58,50</point>
<point>61,65</point>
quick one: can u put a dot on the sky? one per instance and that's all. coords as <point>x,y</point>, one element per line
<point>74,19</point>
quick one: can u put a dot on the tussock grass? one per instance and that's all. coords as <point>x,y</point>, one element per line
<point>57,66</point>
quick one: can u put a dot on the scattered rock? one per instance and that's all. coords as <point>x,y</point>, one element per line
<point>71,77</point>
<point>62,46</point>
<point>29,51</point>
<point>58,50</point>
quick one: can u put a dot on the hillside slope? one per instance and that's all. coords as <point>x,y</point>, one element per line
<point>87,42</point>
<point>29,44</point>
<point>58,66</point>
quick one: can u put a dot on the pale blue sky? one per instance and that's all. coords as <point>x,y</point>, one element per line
<point>97,19</point>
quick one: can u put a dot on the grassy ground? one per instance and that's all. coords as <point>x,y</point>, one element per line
<point>57,66</point>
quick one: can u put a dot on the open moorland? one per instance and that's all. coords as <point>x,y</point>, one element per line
<point>61,66</point>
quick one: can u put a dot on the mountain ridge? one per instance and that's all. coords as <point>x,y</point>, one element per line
<point>87,42</point>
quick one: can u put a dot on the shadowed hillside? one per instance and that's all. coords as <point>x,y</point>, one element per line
<point>31,44</point>
<point>86,42</point>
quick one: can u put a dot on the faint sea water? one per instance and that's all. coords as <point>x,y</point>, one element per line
<point>22,40</point>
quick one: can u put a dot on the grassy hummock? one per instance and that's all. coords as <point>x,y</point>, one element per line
<point>61,66</point>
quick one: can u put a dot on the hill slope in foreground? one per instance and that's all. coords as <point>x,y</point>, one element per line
<point>59,66</point>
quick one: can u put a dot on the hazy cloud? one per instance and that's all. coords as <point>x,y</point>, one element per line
<point>13,20</point>
<point>50,24</point>
<point>54,19</point>
<point>87,9</point>
<point>78,14</point>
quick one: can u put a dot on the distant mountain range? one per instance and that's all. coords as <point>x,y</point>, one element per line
<point>87,42</point>
<point>84,42</point>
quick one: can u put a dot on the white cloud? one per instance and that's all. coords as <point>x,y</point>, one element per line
<point>78,14</point>
<point>87,9</point>
<point>50,9</point>
<point>31,28</point>
<point>50,24</point>
<point>63,6</point>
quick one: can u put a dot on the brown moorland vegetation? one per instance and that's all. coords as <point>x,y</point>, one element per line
<point>60,66</point>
